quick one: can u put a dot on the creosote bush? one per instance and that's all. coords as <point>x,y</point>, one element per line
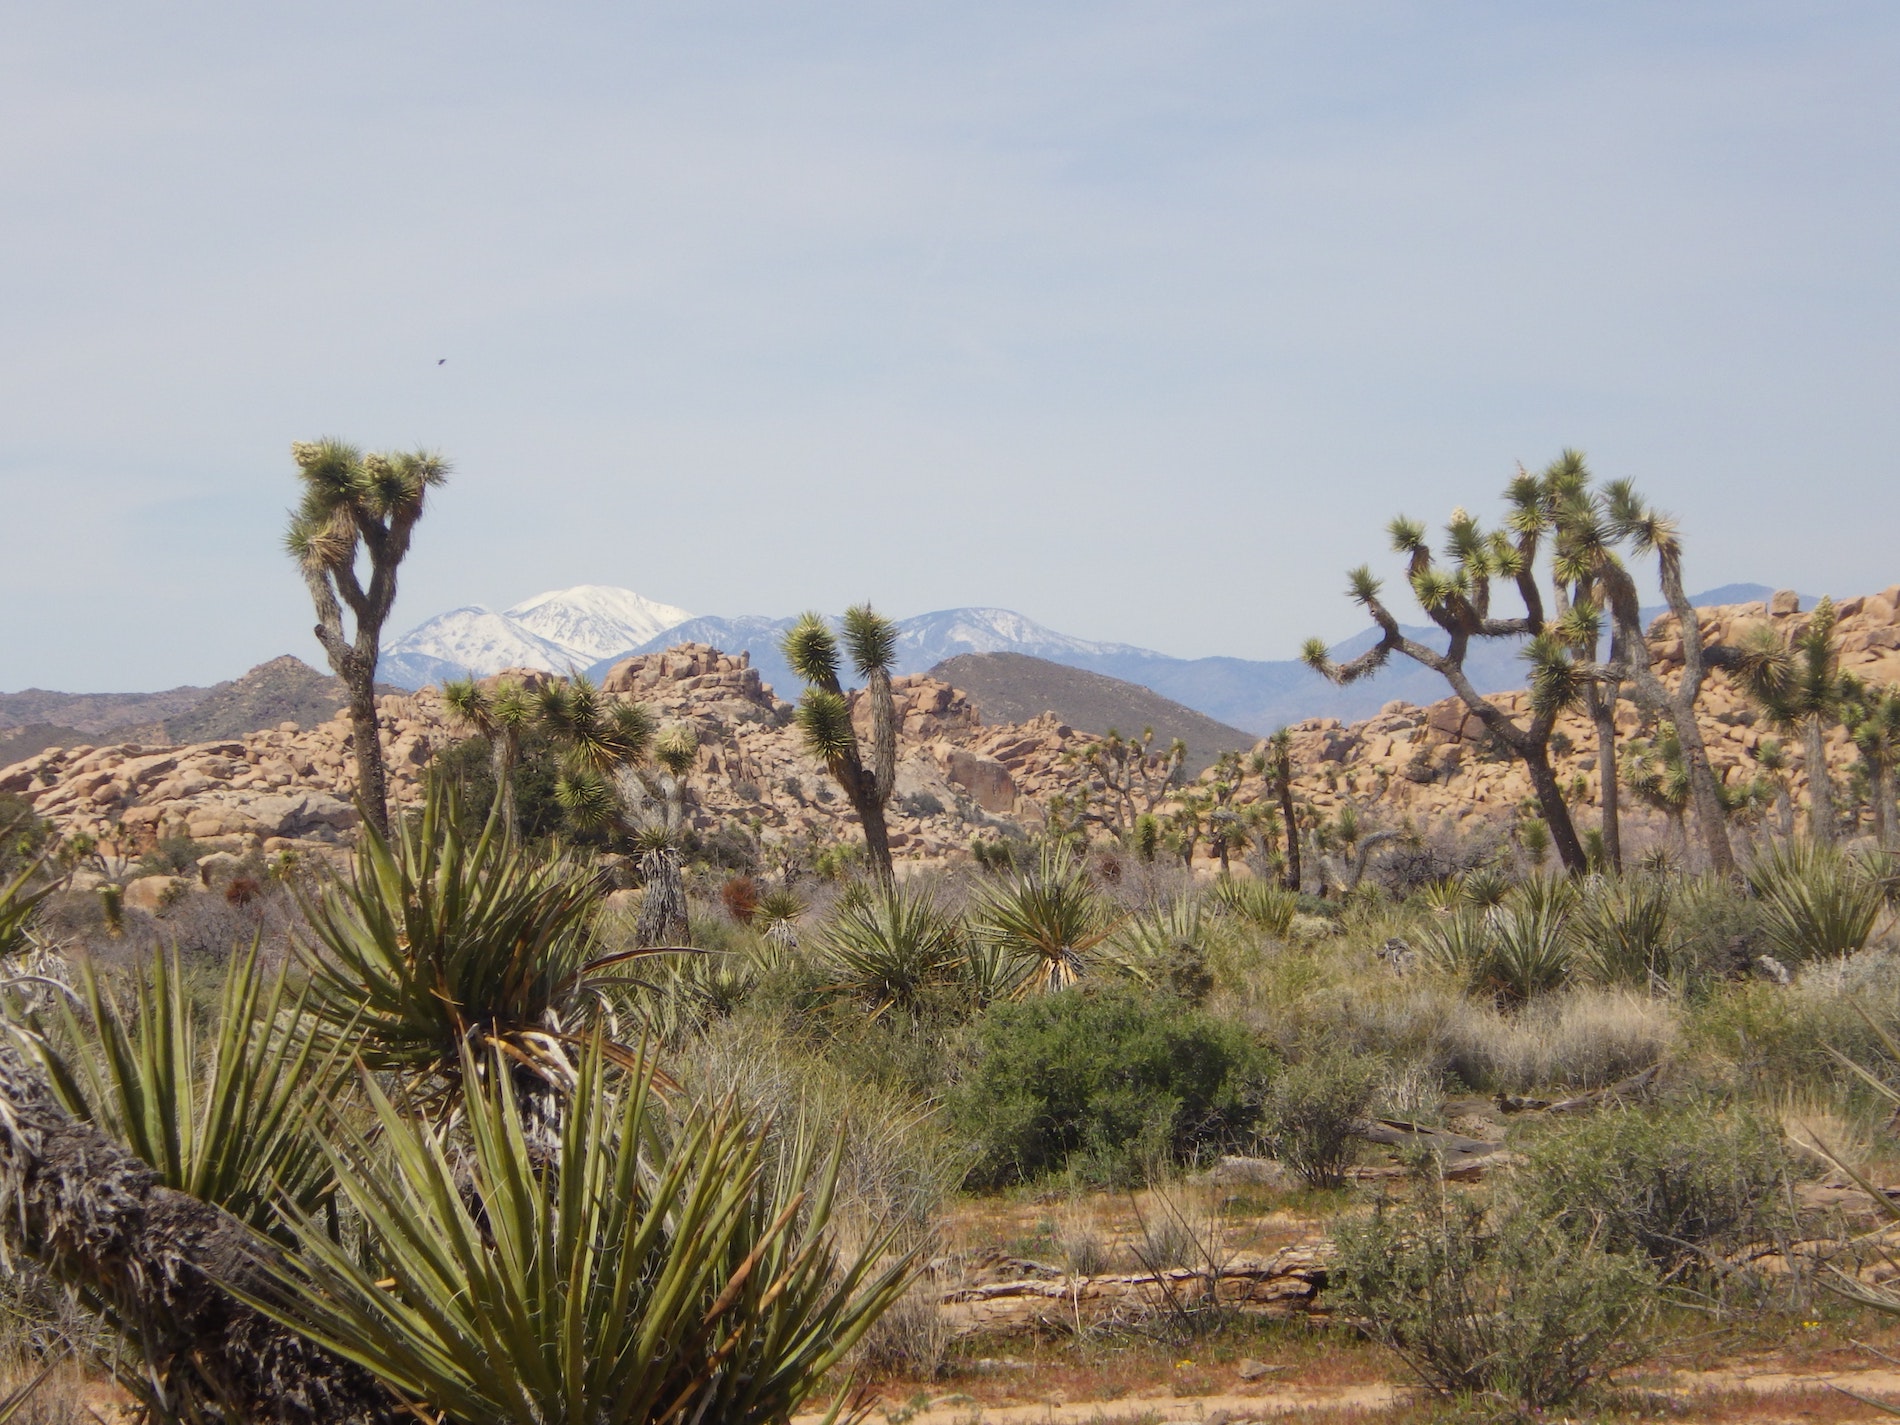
<point>1105,1082</point>
<point>1492,1301</point>
<point>1313,1112</point>
<point>1682,1185</point>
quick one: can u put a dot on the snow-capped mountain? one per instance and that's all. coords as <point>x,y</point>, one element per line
<point>556,632</point>
<point>928,639</point>
<point>469,642</point>
<point>594,619</point>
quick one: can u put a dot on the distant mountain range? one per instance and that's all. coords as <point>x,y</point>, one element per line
<point>1014,687</point>
<point>283,690</point>
<point>590,628</point>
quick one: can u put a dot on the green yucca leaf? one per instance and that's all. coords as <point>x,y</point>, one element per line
<point>812,650</point>
<point>20,903</point>
<point>872,639</point>
<point>1361,586</point>
<point>228,1111</point>
<point>1315,654</point>
<point>661,1272</point>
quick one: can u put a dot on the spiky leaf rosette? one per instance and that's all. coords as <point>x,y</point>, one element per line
<point>587,796</point>
<point>666,1272</point>
<point>677,749</point>
<point>1557,683</point>
<point>439,941</point>
<point>1361,587</point>
<point>871,638</point>
<point>812,650</point>
<point>1315,654</point>
<point>825,720</point>
<point>892,947</point>
<point>1408,535</point>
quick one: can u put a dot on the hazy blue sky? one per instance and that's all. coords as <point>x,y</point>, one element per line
<point>1140,319</point>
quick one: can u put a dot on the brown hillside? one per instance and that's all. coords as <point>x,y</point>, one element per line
<point>1013,687</point>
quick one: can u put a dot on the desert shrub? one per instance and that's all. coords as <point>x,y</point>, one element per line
<point>1719,931</point>
<point>1818,904</point>
<point>1100,1080</point>
<point>740,896</point>
<point>1314,1109</point>
<point>171,856</point>
<point>1678,1185</point>
<point>467,768</point>
<point>1492,1301</point>
<point>24,835</point>
<point>1171,944</point>
<point>922,804</point>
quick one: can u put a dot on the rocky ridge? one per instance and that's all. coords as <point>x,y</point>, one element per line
<point>290,787</point>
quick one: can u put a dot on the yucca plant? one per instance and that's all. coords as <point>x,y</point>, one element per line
<point>663,1273</point>
<point>20,906</point>
<point>1623,930</point>
<point>439,942</point>
<point>1050,917</point>
<point>1820,904</point>
<point>227,1108</point>
<point>1515,950</point>
<point>1264,906</point>
<point>890,947</point>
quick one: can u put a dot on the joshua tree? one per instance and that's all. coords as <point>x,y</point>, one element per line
<point>1276,765</point>
<point>662,789</point>
<point>1658,774</point>
<point>1772,758</point>
<point>824,715</point>
<point>1873,721</point>
<point>356,504</point>
<point>498,717</point>
<point>1458,600</point>
<point>1588,528</point>
<point>1797,682</point>
<point>1136,777</point>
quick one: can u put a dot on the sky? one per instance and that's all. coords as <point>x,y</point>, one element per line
<point>1139,319</point>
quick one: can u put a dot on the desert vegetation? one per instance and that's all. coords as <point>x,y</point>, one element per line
<point>552,1096</point>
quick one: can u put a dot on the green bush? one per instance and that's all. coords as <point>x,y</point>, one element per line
<point>1102,1081</point>
<point>1314,1110</point>
<point>1679,1185</point>
<point>1485,1302</point>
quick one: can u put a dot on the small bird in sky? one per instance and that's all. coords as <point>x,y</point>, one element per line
<point>441,360</point>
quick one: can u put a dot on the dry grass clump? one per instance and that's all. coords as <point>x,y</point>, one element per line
<point>898,1165</point>
<point>1582,1039</point>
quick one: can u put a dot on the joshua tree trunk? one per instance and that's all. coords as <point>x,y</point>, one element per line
<point>1603,716</point>
<point>98,1220</point>
<point>504,750</point>
<point>663,908</point>
<point>1680,707</point>
<point>1292,827</point>
<point>1784,809</point>
<point>1556,813</point>
<point>1823,825</point>
<point>366,745</point>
